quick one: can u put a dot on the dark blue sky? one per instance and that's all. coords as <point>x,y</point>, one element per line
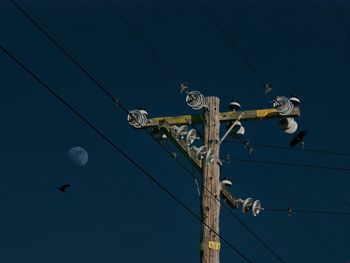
<point>112,213</point>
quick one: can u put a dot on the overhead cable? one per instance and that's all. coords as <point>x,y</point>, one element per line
<point>122,152</point>
<point>76,61</point>
<point>232,43</point>
<point>290,211</point>
<point>305,222</point>
<point>291,164</point>
<point>143,41</point>
<point>312,150</point>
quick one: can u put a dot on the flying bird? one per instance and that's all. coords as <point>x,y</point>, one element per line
<point>63,187</point>
<point>298,139</point>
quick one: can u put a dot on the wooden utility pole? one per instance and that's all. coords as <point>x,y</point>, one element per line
<point>175,128</point>
<point>210,204</point>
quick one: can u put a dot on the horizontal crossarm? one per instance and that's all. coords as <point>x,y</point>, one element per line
<point>224,117</point>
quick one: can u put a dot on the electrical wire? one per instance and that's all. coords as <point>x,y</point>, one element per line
<point>266,85</point>
<point>76,61</point>
<point>234,215</point>
<point>122,152</point>
<point>308,225</point>
<point>312,230</point>
<point>301,211</point>
<point>291,211</point>
<point>311,150</point>
<point>235,46</point>
<point>144,42</point>
<point>232,43</point>
<point>253,244</point>
<point>58,43</point>
<point>291,164</point>
<point>253,234</point>
<point>342,197</point>
<point>82,69</point>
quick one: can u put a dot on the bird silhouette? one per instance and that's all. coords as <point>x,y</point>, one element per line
<point>64,187</point>
<point>298,139</point>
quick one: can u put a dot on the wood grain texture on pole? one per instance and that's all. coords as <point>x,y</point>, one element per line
<point>210,206</point>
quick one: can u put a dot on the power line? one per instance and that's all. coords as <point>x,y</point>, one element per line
<point>235,216</point>
<point>254,245</point>
<point>291,211</point>
<point>230,212</point>
<point>116,147</point>
<point>255,235</point>
<point>331,184</point>
<point>64,50</point>
<point>269,146</point>
<point>266,85</point>
<point>291,164</point>
<point>91,76</point>
<point>242,56</point>
<point>82,69</point>
<point>232,43</point>
<point>144,42</point>
<point>306,223</point>
<point>241,222</point>
<point>312,230</point>
<point>76,61</point>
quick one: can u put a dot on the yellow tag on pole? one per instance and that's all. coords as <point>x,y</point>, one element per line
<point>214,245</point>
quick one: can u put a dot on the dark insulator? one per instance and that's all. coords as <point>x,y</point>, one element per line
<point>234,105</point>
<point>294,100</point>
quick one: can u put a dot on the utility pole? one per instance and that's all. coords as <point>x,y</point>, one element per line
<point>210,206</point>
<point>207,157</point>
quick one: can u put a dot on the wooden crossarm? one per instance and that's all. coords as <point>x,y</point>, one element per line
<point>223,116</point>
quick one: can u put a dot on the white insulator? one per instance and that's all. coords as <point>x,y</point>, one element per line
<point>195,100</point>
<point>288,125</point>
<point>191,137</point>
<point>137,118</point>
<point>180,132</point>
<point>247,205</point>
<point>292,129</point>
<point>285,123</point>
<point>226,182</point>
<point>199,153</point>
<point>256,207</point>
<point>283,105</point>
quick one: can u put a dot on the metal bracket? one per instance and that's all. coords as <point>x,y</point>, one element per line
<point>231,127</point>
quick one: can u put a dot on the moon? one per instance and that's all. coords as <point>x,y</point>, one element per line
<point>78,155</point>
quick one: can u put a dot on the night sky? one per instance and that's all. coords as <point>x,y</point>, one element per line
<point>112,212</point>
